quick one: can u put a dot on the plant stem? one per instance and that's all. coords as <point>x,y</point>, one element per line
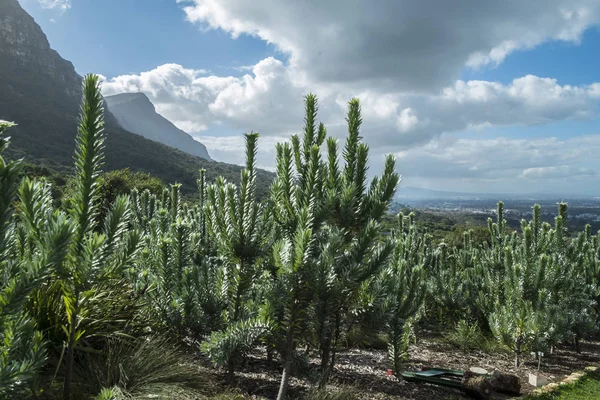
<point>71,351</point>
<point>287,367</point>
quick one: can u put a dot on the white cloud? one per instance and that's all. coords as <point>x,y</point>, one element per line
<point>269,100</point>
<point>414,44</point>
<point>416,127</point>
<point>559,171</point>
<point>498,157</point>
<point>504,165</point>
<point>60,5</point>
<point>402,60</point>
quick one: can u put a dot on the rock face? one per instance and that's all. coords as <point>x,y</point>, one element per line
<point>137,114</point>
<point>41,92</point>
<point>23,45</point>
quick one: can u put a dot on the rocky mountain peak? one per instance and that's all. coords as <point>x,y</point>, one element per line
<point>138,99</point>
<point>24,44</point>
<point>136,113</point>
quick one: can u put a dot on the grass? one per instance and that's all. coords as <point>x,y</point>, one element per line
<point>140,369</point>
<point>587,388</point>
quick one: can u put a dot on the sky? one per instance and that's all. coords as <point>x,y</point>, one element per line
<point>472,96</point>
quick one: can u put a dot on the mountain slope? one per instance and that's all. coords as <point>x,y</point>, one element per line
<point>41,92</point>
<point>137,114</point>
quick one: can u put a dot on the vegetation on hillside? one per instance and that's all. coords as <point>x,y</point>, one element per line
<point>101,290</point>
<point>45,109</point>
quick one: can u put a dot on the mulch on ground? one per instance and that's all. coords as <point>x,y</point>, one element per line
<point>365,370</point>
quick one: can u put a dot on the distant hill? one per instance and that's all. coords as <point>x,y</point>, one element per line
<point>41,92</point>
<point>136,113</point>
<point>420,193</point>
<point>415,193</point>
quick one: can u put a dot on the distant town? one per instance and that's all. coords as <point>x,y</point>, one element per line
<point>516,207</point>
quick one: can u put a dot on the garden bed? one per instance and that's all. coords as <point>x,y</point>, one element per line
<point>365,371</point>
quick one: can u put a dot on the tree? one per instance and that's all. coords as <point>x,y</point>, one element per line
<point>353,250</point>
<point>405,286</point>
<point>548,290</point>
<point>331,221</point>
<point>97,255</point>
<point>299,215</point>
<point>234,222</point>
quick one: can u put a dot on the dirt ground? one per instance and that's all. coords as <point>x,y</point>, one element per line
<point>365,371</point>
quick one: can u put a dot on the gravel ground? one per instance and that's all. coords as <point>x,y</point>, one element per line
<point>365,371</point>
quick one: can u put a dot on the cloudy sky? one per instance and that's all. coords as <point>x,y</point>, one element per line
<point>476,95</point>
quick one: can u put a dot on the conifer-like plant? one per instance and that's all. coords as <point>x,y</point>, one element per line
<point>330,222</point>
<point>353,250</point>
<point>405,278</point>
<point>234,221</point>
<point>93,276</point>
<point>546,295</point>
<point>23,266</point>
<point>298,214</point>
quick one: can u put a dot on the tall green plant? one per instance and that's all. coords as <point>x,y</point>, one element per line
<point>548,293</point>
<point>178,270</point>
<point>405,278</point>
<point>98,256</point>
<point>298,214</point>
<point>21,347</point>
<point>235,224</point>
<point>294,253</point>
<point>32,246</point>
<point>353,249</point>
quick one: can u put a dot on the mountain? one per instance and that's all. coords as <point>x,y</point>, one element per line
<point>41,92</point>
<point>137,114</point>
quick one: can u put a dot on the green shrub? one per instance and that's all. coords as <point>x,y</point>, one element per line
<point>467,336</point>
<point>362,338</point>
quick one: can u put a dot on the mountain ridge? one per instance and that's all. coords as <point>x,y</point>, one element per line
<point>136,113</point>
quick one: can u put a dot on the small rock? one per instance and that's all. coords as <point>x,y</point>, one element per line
<point>505,383</point>
<point>478,370</point>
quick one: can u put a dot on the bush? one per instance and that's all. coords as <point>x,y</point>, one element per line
<point>467,336</point>
<point>368,340</point>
